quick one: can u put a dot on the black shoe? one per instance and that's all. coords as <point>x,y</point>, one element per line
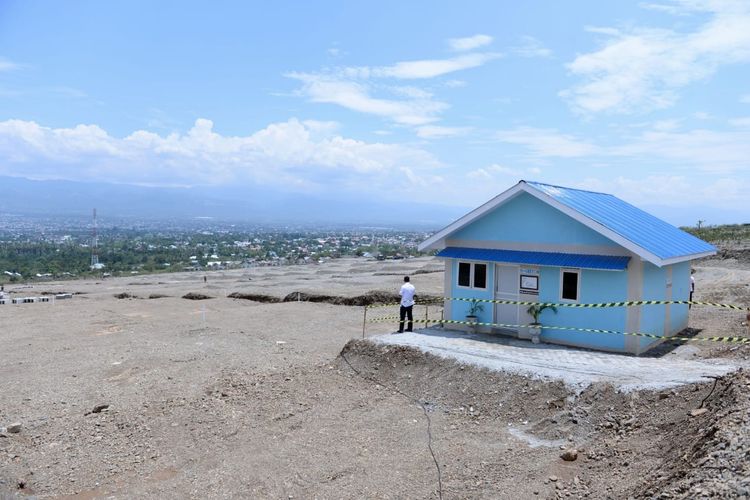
<point>400,331</point>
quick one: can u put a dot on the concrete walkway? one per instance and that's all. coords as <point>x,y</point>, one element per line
<point>576,367</point>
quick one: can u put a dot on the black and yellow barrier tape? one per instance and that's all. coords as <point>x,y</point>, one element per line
<point>629,303</point>
<point>735,340</point>
<point>395,304</point>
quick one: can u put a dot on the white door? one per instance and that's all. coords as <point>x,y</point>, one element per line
<point>506,288</point>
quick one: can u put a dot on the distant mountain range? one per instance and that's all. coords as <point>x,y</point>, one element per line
<point>69,198</point>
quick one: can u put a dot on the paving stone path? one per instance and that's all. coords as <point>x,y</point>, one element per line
<point>576,367</point>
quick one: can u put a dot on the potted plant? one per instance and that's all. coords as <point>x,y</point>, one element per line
<point>475,307</point>
<point>535,328</point>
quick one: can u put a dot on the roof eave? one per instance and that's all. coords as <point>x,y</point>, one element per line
<point>686,258</point>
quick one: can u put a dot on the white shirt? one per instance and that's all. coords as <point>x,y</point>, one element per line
<point>407,294</point>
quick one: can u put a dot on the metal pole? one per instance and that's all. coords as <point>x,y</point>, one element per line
<point>426,315</point>
<point>364,322</point>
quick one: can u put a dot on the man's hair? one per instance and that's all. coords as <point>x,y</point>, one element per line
<point>406,279</point>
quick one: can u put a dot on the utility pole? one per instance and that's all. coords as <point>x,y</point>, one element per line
<point>94,245</point>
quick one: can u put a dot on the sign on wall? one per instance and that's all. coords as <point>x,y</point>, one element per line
<point>529,283</point>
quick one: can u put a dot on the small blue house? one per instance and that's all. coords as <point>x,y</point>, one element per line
<point>542,243</point>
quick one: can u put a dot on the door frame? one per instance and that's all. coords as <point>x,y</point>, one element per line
<point>497,295</point>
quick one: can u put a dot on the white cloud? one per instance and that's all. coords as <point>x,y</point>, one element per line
<point>356,97</point>
<point>671,124</point>
<point>496,170</point>
<point>740,122</point>
<point>718,152</point>
<point>437,131</point>
<point>7,65</point>
<point>674,190</point>
<point>354,87</point>
<point>674,10</point>
<point>489,173</point>
<point>68,91</point>
<point>421,179</point>
<point>411,92</point>
<point>455,84</point>
<point>531,47</point>
<point>293,154</point>
<point>642,69</point>
<point>469,43</point>
<point>420,69</point>
<point>547,142</point>
<point>714,152</point>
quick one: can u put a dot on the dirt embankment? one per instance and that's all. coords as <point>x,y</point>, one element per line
<point>368,425</point>
<point>739,254</point>
<point>367,299</point>
<point>679,443</point>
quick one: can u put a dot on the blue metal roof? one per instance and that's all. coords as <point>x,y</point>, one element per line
<point>606,262</point>
<point>633,224</point>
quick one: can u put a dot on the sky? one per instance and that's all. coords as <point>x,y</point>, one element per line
<point>447,103</point>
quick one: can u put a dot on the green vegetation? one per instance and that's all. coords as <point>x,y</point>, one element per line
<point>535,310</point>
<point>475,307</point>
<point>729,233</point>
<point>53,254</point>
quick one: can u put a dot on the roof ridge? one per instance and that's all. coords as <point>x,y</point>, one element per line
<point>569,188</point>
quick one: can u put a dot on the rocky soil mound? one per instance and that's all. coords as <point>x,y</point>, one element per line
<point>689,442</point>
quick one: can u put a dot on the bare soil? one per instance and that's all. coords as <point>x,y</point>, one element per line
<point>238,397</point>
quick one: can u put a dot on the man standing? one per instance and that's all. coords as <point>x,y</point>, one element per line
<point>692,287</point>
<point>407,304</point>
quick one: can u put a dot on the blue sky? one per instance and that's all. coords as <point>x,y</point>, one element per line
<point>434,102</point>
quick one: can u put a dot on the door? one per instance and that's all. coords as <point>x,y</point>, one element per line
<point>506,288</point>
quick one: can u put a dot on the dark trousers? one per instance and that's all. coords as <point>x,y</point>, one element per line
<point>402,313</point>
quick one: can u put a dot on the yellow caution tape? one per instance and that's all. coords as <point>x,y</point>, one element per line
<point>736,340</point>
<point>395,304</point>
<point>630,303</point>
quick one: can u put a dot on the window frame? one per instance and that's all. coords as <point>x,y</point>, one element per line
<point>578,284</point>
<point>474,275</point>
<point>472,271</point>
<point>458,274</point>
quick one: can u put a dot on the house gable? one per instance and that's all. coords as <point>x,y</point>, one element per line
<point>630,228</point>
<point>529,222</point>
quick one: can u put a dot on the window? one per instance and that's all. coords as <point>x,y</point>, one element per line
<point>569,289</point>
<point>464,274</point>
<point>480,275</point>
<point>472,275</point>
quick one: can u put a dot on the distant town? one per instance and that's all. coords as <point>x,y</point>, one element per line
<point>43,248</point>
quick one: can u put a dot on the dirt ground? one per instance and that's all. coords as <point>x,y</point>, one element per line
<point>230,397</point>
